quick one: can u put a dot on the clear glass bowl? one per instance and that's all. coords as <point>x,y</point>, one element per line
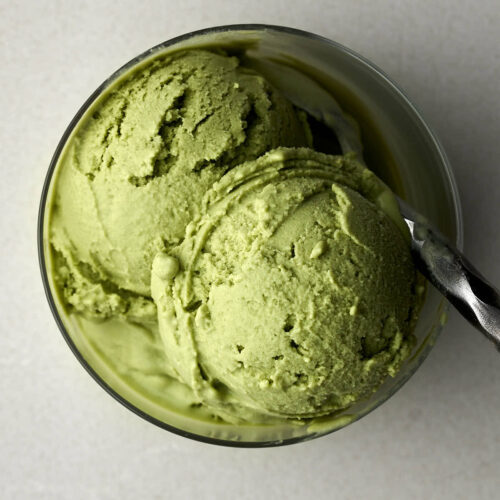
<point>398,145</point>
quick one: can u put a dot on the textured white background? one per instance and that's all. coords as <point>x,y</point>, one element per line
<point>61,436</point>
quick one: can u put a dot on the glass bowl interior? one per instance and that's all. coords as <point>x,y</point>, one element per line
<point>398,146</point>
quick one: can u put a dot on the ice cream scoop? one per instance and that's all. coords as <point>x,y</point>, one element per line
<point>294,294</point>
<point>140,162</point>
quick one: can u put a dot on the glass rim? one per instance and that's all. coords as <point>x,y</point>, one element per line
<point>450,182</point>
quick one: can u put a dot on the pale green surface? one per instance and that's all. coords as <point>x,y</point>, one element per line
<point>138,164</point>
<point>293,294</point>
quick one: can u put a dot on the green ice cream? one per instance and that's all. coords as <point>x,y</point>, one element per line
<point>188,201</point>
<point>138,165</point>
<point>292,295</point>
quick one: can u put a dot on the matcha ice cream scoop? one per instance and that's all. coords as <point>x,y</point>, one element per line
<point>138,165</point>
<point>292,294</point>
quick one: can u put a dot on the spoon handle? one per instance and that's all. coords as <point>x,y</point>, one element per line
<point>454,276</point>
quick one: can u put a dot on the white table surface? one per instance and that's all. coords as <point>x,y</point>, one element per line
<point>62,436</point>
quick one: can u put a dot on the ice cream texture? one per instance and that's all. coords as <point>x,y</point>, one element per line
<point>276,280</point>
<point>284,297</point>
<point>138,167</point>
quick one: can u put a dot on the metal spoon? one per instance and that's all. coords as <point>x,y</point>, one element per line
<point>453,275</point>
<point>436,258</point>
